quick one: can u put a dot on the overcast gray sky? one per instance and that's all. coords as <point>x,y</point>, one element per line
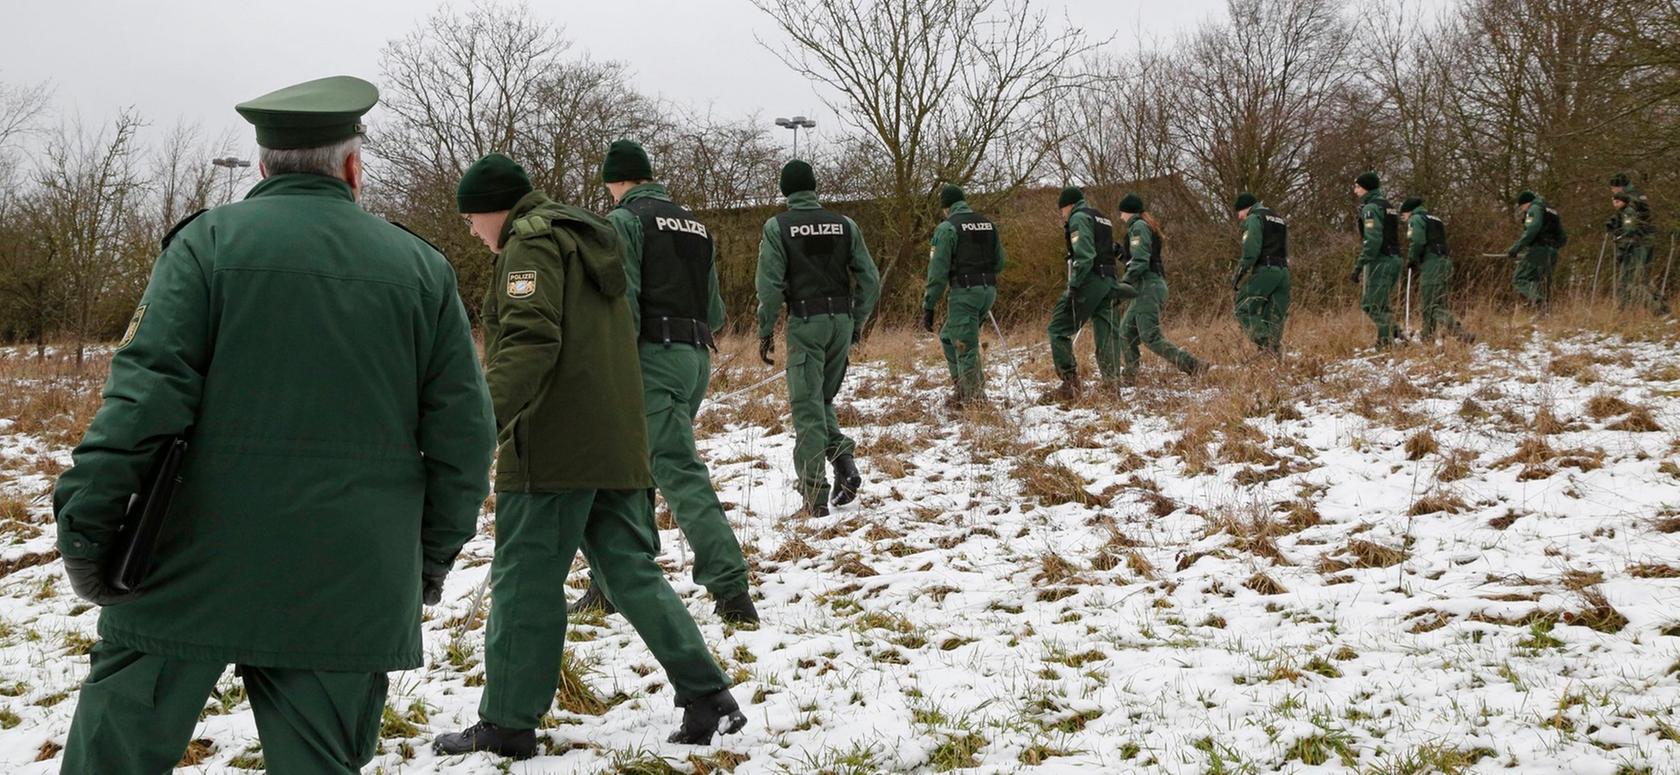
<point>192,60</point>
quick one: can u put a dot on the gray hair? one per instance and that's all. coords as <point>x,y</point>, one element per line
<point>325,160</point>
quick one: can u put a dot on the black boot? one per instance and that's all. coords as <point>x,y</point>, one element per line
<point>846,481</point>
<point>485,736</point>
<point>592,600</point>
<point>715,712</point>
<point>737,610</point>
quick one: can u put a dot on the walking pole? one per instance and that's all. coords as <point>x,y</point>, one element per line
<point>1408,301</point>
<point>1670,266</point>
<point>1013,373</point>
<point>1602,244</point>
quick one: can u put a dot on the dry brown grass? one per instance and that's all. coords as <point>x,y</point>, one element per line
<point>1420,444</point>
<point>1054,484</point>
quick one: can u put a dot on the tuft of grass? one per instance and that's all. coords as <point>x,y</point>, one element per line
<point>1265,585</point>
<point>1054,484</point>
<point>1420,444</point>
<point>957,753</point>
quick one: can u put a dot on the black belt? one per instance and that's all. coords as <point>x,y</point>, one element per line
<point>822,305</point>
<point>663,330</point>
<point>1278,261</point>
<point>973,280</point>
<point>1106,270</point>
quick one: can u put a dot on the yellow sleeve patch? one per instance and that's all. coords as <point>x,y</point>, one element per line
<point>133,327</point>
<point>521,285</point>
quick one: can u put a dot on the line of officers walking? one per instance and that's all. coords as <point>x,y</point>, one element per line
<point>321,365</point>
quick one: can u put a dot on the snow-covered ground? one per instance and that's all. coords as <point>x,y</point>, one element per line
<point>1444,563</point>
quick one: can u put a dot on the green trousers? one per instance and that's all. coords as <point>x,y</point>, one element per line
<point>1263,306</point>
<point>1094,301</point>
<point>817,349</point>
<point>1434,286</point>
<point>538,534</point>
<point>1534,274</point>
<point>137,711</point>
<point>1377,302</point>
<point>1633,281</point>
<point>1142,324</point>
<point>965,314</point>
<point>674,379</point>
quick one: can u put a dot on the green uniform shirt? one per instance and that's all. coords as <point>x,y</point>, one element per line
<point>320,364</point>
<point>629,228</point>
<point>1371,218</point>
<point>1141,242</point>
<point>560,352</point>
<point>1084,248</point>
<point>772,271</point>
<point>1417,237</point>
<point>1533,222</point>
<point>939,258</point>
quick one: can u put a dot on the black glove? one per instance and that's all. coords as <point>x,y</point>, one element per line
<point>431,585</point>
<point>88,584</point>
<point>1354,278</point>
<point>765,346</point>
<point>1611,224</point>
<point>857,334</point>
<point>927,320</point>
<point>1236,282</point>
<point>1512,253</point>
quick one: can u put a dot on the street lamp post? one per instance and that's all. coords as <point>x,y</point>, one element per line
<point>796,123</point>
<point>231,163</point>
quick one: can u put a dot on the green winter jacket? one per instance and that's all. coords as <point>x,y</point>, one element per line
<point>560,352</point>
<point>320,364</point>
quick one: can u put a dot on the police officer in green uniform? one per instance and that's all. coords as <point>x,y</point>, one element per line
<point>1379,257</point>
<point>1542,237</point>
<point>1092,292</point>
<point>319,363</point>
<point>670,262</point>
<point>1630,226</point>
<point>1262,277</point>
<point>1426,252</point>
<point>967,256</point>
<point>572,465</point>
<point>1145,271</point>
<point>813,261</point>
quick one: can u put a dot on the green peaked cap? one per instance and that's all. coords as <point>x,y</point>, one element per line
<point>310,114</point>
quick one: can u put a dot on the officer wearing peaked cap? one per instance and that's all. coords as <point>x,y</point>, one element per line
<point>320,362</point>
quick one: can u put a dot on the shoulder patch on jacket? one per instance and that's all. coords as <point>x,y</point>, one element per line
<point>417,236</point>
<point>521,285</point>
<point>179,225</point>
<point>134,324</point>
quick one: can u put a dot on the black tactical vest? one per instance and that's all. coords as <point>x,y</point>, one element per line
<point>1274,238</point>
<point>676,262</point>
<point>1641,210</point>
<point>1102,230</point>
<point>1435,236</point>
<point>1391,228</point>
<point>818,245</point>
<point>1155,239</point>
<point>1551,230</point>
<point>976,248</point>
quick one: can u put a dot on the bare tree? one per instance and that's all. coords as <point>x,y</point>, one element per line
<point>939,87</point>
<point>88,182</point>
<point>1254,93</point>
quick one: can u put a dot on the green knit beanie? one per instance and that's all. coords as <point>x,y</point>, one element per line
<point>1245,200</point>
<point>798,176</point>
<point>492,184</point>
<point>1131,204</point>
<point>1411,204</point>
<point>1525,197</point>
<point>950,195</point>
<point>1070,196</point>
<point>626,160</point>
<point>1369,181</point>
<point>1619,179</point>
